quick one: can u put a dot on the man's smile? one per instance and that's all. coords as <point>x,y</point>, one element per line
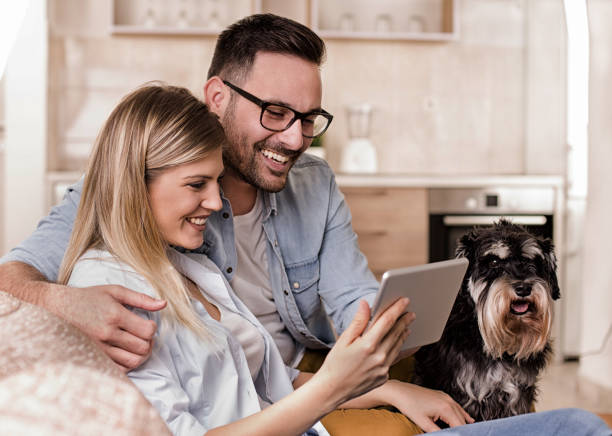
<point>275,156</point>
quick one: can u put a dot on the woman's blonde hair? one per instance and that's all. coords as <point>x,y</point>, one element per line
<point>153,128</point>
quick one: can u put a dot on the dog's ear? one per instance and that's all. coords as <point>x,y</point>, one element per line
<point>503,222</point>
<point>550,261</point>
<point>465,245</point>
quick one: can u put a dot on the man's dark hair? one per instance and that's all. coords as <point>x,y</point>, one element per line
<point>239,43</point>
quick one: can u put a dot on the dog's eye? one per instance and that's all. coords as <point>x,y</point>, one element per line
<point>493,263</point>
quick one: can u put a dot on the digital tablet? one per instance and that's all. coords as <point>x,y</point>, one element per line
<point>432,289</point>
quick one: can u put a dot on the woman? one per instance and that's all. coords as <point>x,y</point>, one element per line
<point>151,183</point>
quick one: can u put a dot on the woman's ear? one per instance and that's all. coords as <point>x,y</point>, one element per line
<point>216,95</point>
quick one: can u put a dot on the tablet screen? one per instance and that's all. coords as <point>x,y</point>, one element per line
<point>432,289</point>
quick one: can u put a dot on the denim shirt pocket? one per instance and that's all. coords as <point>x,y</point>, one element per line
<point>304,283</point>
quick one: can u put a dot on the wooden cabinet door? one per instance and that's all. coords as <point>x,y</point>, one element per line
<point>391,225</point>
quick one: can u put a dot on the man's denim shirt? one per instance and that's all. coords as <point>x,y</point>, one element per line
<point>314,260</point>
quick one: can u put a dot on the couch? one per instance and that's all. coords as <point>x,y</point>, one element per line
<point>55,381</point>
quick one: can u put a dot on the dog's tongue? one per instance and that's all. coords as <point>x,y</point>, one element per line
<point>520,307</point>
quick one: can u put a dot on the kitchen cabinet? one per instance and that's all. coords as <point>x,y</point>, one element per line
<point>421,20</point>
<point>194,17</point>
<point>424,20</point>
<point>179,17</point>
<point>391,224</point>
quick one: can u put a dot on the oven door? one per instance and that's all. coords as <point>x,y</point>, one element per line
<point>446,229</point>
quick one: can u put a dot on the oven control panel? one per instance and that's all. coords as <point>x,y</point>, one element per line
<point>540,200</point>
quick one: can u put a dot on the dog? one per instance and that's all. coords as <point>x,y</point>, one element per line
<point>497,339</point>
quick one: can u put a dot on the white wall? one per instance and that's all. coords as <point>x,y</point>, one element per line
<point>2,181</point>
<point>490,103</point>
<point>597,267</point>
<point>25,157</point>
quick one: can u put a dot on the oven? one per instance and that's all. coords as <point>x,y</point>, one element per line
<point>455,211</point>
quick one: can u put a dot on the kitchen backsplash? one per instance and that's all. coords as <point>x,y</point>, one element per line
<point>492,102</point>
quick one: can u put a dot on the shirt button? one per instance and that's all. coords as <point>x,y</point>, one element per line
<point>285,292</point>
<point>229,270</point>
<point>296,285</point>
<point>225,215</point>
<point>275,243</point>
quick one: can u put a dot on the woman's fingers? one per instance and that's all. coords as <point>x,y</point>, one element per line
<point>427,425</point>
<point>426,406</point>
<point>452,413</point>
<point>468,418</point>
<point>460,415</point>
<point>395,340</point>
<point>453,418</point>
<point>358,324</point>
<point>381,327</point>
<point>362,354</point>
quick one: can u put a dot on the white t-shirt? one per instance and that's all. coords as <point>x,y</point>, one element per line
<point>247,335</point>
<point>251,281</point>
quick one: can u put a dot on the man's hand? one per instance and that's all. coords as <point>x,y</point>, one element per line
<point>425,406</point>
<point>100,312</point>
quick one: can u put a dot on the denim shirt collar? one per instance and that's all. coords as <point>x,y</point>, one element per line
<point>269,204</point>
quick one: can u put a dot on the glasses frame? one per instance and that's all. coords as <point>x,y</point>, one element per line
<point>296,114</point>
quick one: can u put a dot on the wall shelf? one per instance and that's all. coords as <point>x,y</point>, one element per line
<point>128,29</point>
<point>416,20</point>
<point>179,17</point>
<point>407,36</point>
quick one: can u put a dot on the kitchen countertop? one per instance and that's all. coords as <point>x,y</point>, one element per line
<point>402,180</point>
<point>453,181</point>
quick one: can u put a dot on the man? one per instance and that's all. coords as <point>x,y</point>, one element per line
<point>283,238</point>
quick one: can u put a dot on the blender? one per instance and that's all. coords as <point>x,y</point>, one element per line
<point>359,154</point>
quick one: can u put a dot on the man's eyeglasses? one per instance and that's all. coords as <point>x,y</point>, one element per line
<point>277,117</point>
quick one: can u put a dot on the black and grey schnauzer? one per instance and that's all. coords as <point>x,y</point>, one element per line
<point>497,339</point>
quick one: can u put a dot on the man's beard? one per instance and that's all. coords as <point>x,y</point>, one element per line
<point>243,160</point>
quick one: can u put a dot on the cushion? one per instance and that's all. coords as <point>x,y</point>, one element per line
<point>55,380</point>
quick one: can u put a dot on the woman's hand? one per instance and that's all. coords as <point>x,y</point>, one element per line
<point>424,406</point>
<point>362,355</point>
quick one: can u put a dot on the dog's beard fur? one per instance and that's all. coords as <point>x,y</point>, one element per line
<point>503,332</point>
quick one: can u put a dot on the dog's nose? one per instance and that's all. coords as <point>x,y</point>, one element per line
<point>523,290</point>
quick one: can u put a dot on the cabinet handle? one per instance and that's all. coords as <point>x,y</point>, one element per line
<point>375,233</point>
<point>366,192</point>
<point>485,220</point>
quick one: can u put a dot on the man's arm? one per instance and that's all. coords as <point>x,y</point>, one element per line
<point>345,277</point>
<point>98,311</point>
<point>29,270</point>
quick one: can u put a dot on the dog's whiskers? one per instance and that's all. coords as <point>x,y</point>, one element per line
<point>476,289</point>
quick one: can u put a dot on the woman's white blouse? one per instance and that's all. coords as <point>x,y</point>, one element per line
<point>194,385</point>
